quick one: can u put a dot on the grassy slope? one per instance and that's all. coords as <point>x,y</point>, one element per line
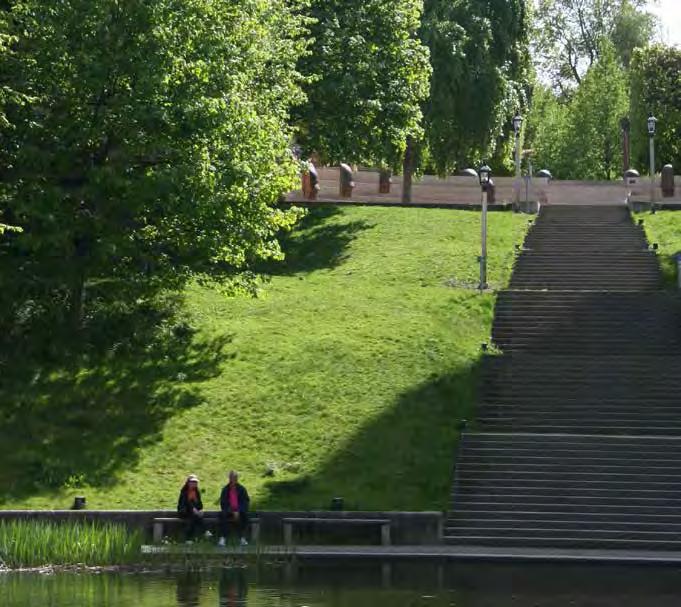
<point>664,228</point>
<point>346,376</point>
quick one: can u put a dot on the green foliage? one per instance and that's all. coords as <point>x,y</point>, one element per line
<point>369,74</point>
<point>580,138</point>
<point>547,130</point>
<point>39,543</point>
<point>656,87</point>
<point>480,67</point>
<point>569,34</point>
<point>149,146</point>
<point>347,376</point>
<point>664,228</point>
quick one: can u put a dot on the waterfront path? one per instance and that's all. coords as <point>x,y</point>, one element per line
<point>420,553</point>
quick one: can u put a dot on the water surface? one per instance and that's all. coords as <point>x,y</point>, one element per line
<point>361,585</point>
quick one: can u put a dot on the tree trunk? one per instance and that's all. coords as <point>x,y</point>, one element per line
<point>408,170</point>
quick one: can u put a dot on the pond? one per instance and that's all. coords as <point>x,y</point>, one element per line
<point>360,585</point>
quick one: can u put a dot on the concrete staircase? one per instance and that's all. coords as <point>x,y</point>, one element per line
<point>578,435</point>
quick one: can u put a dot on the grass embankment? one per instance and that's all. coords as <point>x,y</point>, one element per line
<point>664,228</point>
<point>346,376</point>
<point>35,544</point>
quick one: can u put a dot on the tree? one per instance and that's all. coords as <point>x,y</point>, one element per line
<point>150,146</point>
<point>580,138</point>
<point>546,130</point>
<point>480,68</point>
<point>569,33</point>
<point>368,77</point>
<point>656,88</point>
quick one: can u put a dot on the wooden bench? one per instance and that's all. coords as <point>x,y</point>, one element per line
<point>384,524</point>
<point>160,524</point>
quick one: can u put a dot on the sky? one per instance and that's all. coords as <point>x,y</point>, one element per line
<point>670,13</point>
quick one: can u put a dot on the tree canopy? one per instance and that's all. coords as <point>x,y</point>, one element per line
<point>580,138</point>
<point>568,35</point>
<point>656,88</point>
<point>479,52</point>
<point>368,75</point>
<point>144,143</point>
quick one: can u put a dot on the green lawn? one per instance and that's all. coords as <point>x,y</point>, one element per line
<point>664,228</point>
<point>346,376</point>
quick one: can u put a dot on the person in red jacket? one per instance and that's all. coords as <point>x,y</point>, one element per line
<point>234,505</point>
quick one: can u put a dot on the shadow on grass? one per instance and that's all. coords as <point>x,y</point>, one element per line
<point>73,413</point>
<point>401,460</point>
<point>318,242</point>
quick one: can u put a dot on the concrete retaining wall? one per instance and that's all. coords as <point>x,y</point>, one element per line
<point>465,191</point>
<point>408,528</point>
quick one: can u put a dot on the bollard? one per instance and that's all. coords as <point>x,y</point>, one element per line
<point>346,182</point>
<point>311,182</point>
<point>384,181</point>
<point>678,269</point>
<point>668,181</point>
<point>491,190</point>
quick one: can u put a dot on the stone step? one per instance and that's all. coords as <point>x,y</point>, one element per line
<point>536,441</point>
<point>586,425</point>
<point>469,524</point>
<point>472,466</point>
<point>550,542</point>
<point>583,441</point>
<point>567,514</point>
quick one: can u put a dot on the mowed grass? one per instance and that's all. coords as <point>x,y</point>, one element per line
<point>664,228</point>
<point>347,376</point>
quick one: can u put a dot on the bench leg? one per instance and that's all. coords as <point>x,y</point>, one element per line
<point>288,534</point>
<point>255,532</point>
<point>158,533</point>
<point>385,535</point>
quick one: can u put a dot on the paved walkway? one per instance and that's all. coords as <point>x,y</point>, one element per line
<point>428,553</point>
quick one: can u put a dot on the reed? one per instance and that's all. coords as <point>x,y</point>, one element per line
<point>40,543</point>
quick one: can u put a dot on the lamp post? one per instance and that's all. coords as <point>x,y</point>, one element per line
<point>652,125</point>
<point>517,125</point>
<point>484,174</point>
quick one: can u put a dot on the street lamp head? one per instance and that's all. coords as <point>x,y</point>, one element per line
<point>485,173</point>
<point>652,124</point>
<point>517,124</point>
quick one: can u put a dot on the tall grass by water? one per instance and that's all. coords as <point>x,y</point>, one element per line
<point>40,543</point>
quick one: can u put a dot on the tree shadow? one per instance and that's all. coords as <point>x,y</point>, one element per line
<point>75,409</point>
<point>319,242</point>
<point>401,460</point>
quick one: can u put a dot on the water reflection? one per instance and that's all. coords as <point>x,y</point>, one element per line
<point>189,589</point>
<point>356,584</point>
<point>233,588</point>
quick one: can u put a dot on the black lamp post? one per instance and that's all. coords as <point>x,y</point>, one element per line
<point>517,126</point>
<point>485,174</point>
<point>652,127</point>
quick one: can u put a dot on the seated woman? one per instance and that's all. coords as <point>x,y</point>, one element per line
<point>234,505</point>
<point>190,506</point>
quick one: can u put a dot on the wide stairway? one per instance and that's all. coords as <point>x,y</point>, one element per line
<point>578,434</point>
